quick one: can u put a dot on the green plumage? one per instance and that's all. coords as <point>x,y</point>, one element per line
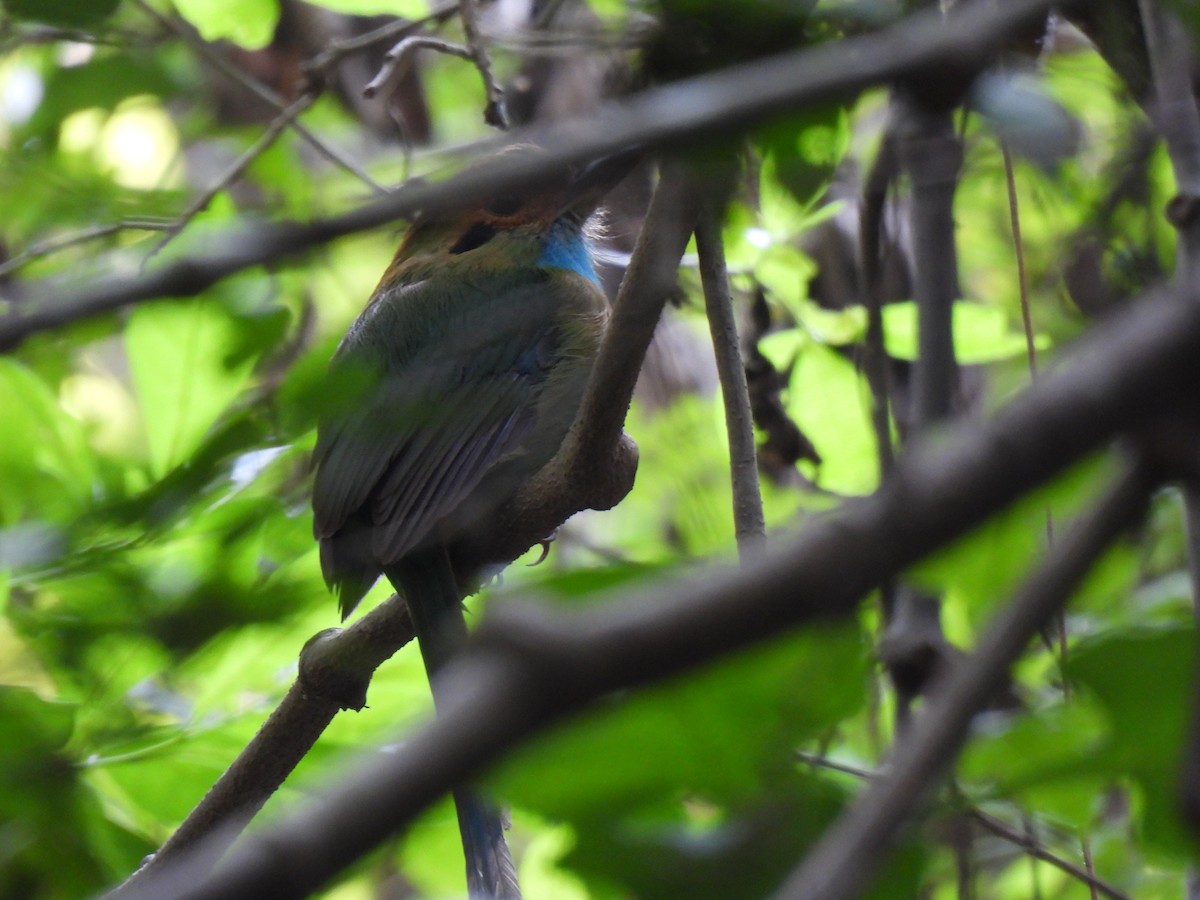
<point>474,353</point>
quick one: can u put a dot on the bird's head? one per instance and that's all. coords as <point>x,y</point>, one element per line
<point>512,229</point>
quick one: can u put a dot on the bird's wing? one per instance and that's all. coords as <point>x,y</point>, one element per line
<point>419,442</point>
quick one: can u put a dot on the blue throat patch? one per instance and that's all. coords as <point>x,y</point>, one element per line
<point>564,248</point>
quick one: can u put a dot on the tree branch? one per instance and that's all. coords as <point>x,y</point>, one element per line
<point>335,668</point>
<point>530,665</point>
<point>853,848</point>
<point>714,105</point>
<point>595,467</point>
<point>739,424</point>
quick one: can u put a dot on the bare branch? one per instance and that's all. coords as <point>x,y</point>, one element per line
<point>531,664</point>
<point>494,114</point>
<point>234,170</point>
<point>739,424</point>
<point>1000,829</point>
<point>711,105</point>
<point>214,58</point>
<point>849,852</point>
<point>403,52</point>
<point>81,236</point>
<point>335,668</point>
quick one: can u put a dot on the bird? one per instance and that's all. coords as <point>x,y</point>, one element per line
<point>467,366</point>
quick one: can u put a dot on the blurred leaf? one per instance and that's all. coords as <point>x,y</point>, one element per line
<point>828,399</point>
<point>1026,118</point>
<point>45,463</point>
<point>719,734</point>
<point>63,13</point>
<point>982,333</point>
<point>804,149</point>
<point>181,357</point>
<point>101,83</point>
<point>1142,679</point>
<point>740,852</point>
<point>247,23</point>
<point>981,570</point>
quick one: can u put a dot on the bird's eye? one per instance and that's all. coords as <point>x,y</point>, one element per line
<point>475,236</point>
<point>503,205</point>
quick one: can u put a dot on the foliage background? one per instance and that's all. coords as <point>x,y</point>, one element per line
<point>158,575</point>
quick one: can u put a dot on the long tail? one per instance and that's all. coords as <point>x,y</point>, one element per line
<point>427,583</point>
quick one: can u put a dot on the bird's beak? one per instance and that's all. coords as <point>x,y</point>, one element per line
<point>588,183</point>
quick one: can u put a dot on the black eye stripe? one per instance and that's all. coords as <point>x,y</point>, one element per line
<point>475,236</point>
<point>503,205</point>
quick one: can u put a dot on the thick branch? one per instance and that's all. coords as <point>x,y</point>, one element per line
<point>931,154</point>
<point>597,472</point>
<point>1176,116</point>
<point>715,105</point>
<point>531,665</point>
<point>841,864</point>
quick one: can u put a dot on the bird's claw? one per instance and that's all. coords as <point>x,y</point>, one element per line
<point>545,545</point>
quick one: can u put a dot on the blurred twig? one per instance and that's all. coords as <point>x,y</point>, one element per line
<point>532,664</point>
<point>840,864</point>
<point>233,171</point>
<point>81,236</point>
<point>683,112</point>
<point>214,58</point>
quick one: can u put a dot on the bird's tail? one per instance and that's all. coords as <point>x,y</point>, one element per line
<point>427,583</point>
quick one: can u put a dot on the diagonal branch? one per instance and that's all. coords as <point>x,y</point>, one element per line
<point>840,865</point>
<point>531,665</point>
<point>336,667</point>
<point>714,105</point>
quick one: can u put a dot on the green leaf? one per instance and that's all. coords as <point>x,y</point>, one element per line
<point>46,466</point>
<point>981,333</point>
<point>1142,679</point>
<point>101,83</point>
<point>804,150</point>
<point>830,402</point>
<point>179,354</point>
<point>982,569</point>
<point>248,23</point>
<point>63,13</point>
<point>718,734</point>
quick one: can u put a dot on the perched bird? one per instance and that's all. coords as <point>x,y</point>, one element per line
<point>472,357</point>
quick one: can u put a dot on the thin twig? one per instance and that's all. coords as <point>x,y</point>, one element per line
<point>529,664</point>
<point>1086,846</point>
<point>494,113</point>
<point>75,238</point>
<point>233,171</point>
<point>214,58</point>
<point>337,50</point>
<point>1038,850</point>
<point>402,53</point>
<point>1001,830</point>
<point>841,863</point>
<point>739,424</point>
<point>680,113</point>
<point>1014,222</point>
